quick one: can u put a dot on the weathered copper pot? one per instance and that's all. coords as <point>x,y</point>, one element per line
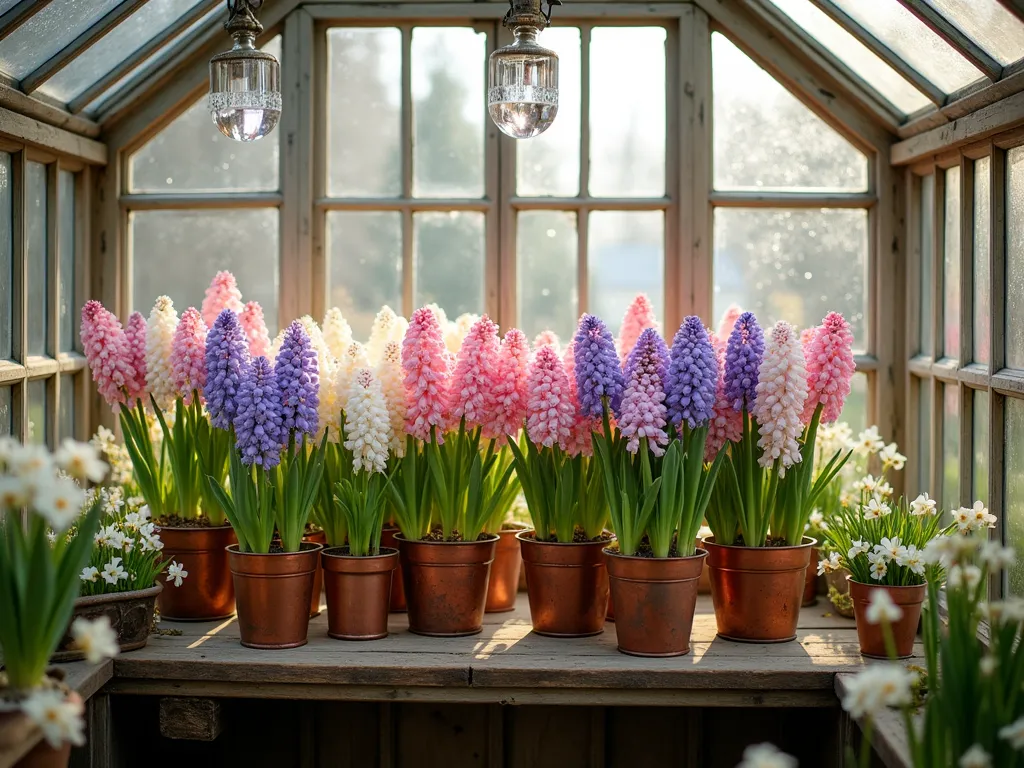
<point>872,636</point>
<point>397,603</point>
<point>503,585</point>
<point>358,592</point>
<point>207,592</point>
<point>811,580</point>
<point>273,593</point>
<point>316,537</point>
<point>567,584</point>
<point>655,598</point>
<point>43,755</point>
<point>130,614</point>
<point>446,584</point>
<point>757,591</point>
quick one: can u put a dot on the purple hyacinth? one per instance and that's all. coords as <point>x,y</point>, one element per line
<point>598,371</point>
<point>692,375</point>
<point>299,383</point>
<point>227,357</point>
<point>742,361</point>
<point>258,420</point>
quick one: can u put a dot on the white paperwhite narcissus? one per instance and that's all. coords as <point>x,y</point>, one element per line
<point>874,510</point>
<point>390,375</point>
<point>881,608</point>
<point>58,716</point>
<point>975,757</point>
<point>996,556</point>
<point>781,392</point>
<point>831,564</point>
<point>96,638</point>
<point>367,424</point>
<point>59,502</point>
<point>113,572</point>
<point>353,359</point>
<point>878,564</point>
<point>912,558</point>
<point>923,505</point>
<point>1014,733</point>
<point>877,687</point>
<point>892,458</point>
<point>381,332</point>
<point>90,573</point>
<point>337,332</point>
<point>80,460</point>
<point>868,442</point>
<point>766,756</point>
<point>858,547</point>
<point>163,320</point>
<point>176,572</point>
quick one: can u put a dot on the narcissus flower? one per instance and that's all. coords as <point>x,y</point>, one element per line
<point>881,608</point>
<point>598,372</point>
<point>255,327</point>
<point>176,573</point>
<point>643,412</point>
<point>135,337</point>
<point>508,385</point>
<point>80,460</point>
<point>878,687</point>
<point>638,317</point>
<point>188,355</point>
<point>766,756</point>
<point>367,424</point>
<point>549,409</point>
<point>58,715</point>
<point>830,368</point>
<point>781,391</point>
<point>471,390</point>
<point>221,294</point>
<point>96,638</point>
<point>426,376</point>
<point>106,351</point>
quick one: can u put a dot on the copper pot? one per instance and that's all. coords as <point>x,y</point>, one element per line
<point>316,537</point>
<point>503,586</point>
<point>207,592</point>
<point>397,602</point>
<point>872,636</point>
<point>130,615</point>
<point>43,755</point>
<point>446,584</point>
<point>811,580</point>
<point>567,584</point>
<point>704,585</point>
<point>273,593</point>
<point>757,591</point>
<point>609,615</point>
<point>358,592</point>
<point>656,598</point>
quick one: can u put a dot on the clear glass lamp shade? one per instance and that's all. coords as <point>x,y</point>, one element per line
<point>522,93</point>
<point>245,92</point>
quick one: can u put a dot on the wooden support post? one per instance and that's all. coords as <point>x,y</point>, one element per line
<point>191,719</point>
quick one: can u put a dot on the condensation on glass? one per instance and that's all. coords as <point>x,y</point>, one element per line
<point>951,267</point>
<point>924,432</point>
<point>546,258</point>
<point>66,255</point>
<point>1014,330</point>
<point>855,410</point>
<point>1013,485</point>
<point>982,280</point>
<point>6,408</point>
<point>38,310</point>
<point>926,286</point>
<point>6,259</point>
<point>625,256</point>
<point>950,446</point>
<point>66,406</point>
<point>38,412</point>
<point>979,431</point>
<point>988,23</point>
<point>448,249</point>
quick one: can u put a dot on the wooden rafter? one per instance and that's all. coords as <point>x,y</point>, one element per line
<point>960,42</point>
<point>19,14</point>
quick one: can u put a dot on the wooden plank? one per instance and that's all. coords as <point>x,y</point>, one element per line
<point>344,734</point>
<point>549,737</point>
<point>40,134</point>
<point>487,11</point>
<point>695,124</point>
<point>16,101</point>
<point>889,736</point>
<point>780,199</point>
<point>960,42</point>
<point>456,734</point>
<point>1016,7</point>
<point>200,201</point>
<point>1011,83</point>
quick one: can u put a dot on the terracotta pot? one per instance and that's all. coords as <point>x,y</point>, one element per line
<point>609,615</point>
<point>872,636</point>
<point>811,580</point>
<point>704,585</point>
<point>503,585</point>
<point>397,603</point>
<point>317,537</point>
<point>207,592</point>
<point>43,755</point>
<point>567,585</point>
<point>273,593</point>
<point>130,614</point>
<point>655,598</point>
<point>841,602</point>
<point>446,584</point>
<point>757,591</point>
<point>358,592</point>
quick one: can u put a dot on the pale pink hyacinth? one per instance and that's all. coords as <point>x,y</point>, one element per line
<point>581,434</point>
<point>188,354</point>
<point>344,372</point>
<point>508,385</point>
<point>106,351</point>
<point>163,322</point>
<point>727,424</point>
<point>389,372</point>
<point>549,408</point>
<point>337,332</point>
<point>547,339</point>
<point>781,392</point>
<point>221,294</point>
<point>806,335</point>
<point>381,332</point>
<point>729,318</point>
<point>135,336</point>
<point>255,327</point>
<point>639,316</point>
<point>830,367</point>
<point>471,390</point>
<point>426,368</point>
<point>367,426</point>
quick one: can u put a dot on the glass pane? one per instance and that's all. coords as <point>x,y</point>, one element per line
<point>66,414</point>
<point>1015,258</point>
<point>145,24</point>
<point>6,411</point>
<point>924,436</point>
<point>212,162</point>
<point>766,139</point>
<point>857,56</point>
<point>365,252</point>
<point>912,40</point>
<point>38,413</point>
<point>1013,490</point>
<point>6,260</point>
<point>982,307</point>
<point>627,111</point>
<point>625,256</point>
<point>951,266</point>
<point>38,297</point>
<point>988,23</point>
<point>546,255</point>
<point>549,164</point>
<point>980,430</point>
<point>448,249</point>
<point>793,265</point>
<point>855,410</point>
<point>66,243</point>
<point>927,285</point>
<point>46,33</point>
<point>448,73</point>
<point>364,97</point>
<point>950,446</point>
<point>177,253</point>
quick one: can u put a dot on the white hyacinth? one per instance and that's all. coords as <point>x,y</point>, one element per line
<point>781,392</point>
<point>337,332</point>
<point>344,374</point>
<point>58,716</point>
<point>975,757</point>
<point>877,687</point>
<point>766,756</point>
<point>367,424</point>
<point>381,332</point>
<point>455,333</point>
<point>96,639</point>
<point>163,320</point>
<point>390,375</point>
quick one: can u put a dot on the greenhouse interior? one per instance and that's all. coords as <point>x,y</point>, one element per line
<point>513,384</point>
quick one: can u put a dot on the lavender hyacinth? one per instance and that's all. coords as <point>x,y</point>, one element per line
<point>598,374</point>
<point>227,357</point>
<point>299,383</point>
<point>258,428</point>
<point>743,357</point>
<point>692,376</point>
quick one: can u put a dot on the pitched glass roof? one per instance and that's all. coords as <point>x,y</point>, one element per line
<point>988,24</point>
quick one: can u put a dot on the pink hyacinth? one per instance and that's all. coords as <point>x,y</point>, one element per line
<point>781,391</point>
<point>106,351</point>
<point>727,424</point>
<point>830,367</point>
<point>255,327</point>
<point>639,315</point>
<point>222,294</point>
<point>509,387</point>
<point>547,339</point>
<point>549,408</point>
<point>188,354</point>
<point>580,440</point>
<point>806,335</point>
<point>643,414</point>
<point>135,336</point>
<point>425,363</point>
<point>729,318</point>
<point>471,392</point>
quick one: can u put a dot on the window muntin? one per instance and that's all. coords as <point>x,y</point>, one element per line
<point>980,416</point>
<point>981,277</point>
<point>926,284</point>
